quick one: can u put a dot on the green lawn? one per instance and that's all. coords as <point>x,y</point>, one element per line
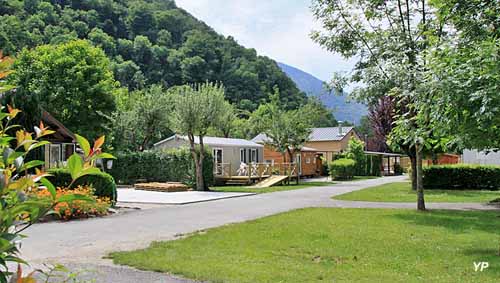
<point>401,192</point>
<point>334,245</point>
<point>293,186</point>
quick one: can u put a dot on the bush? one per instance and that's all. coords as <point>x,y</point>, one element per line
<point>160,166</point>
<point>103,183</point>
<point>343,168</point>
<point>461,177</point>
<point>398,169</point>
<point>324,167</point>
<point>76,208</point>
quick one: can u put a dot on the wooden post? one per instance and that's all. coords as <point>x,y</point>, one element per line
<point>249,166</point>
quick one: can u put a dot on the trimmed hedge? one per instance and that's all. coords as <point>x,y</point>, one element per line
<point>461,177</point>
<point>343,168</point>
<point>160,166</point>
<point>371,164</point>
<point>103,183</point>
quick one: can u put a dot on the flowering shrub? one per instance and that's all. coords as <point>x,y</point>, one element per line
<point>77,208</point>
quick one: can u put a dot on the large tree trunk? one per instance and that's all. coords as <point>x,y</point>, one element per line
<point>420,186</point>
<point>198,166</point>
<point>413,177</point>
<point>200,181</point>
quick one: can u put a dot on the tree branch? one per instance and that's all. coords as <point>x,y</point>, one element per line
<point>365,42</point>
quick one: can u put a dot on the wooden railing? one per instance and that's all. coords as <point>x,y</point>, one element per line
<point>222,169</point>
<point>255,170</point>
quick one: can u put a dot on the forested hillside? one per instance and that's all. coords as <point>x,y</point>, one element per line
<point>148,42</point>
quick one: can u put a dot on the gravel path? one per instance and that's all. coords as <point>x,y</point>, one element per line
<point>84,243</point>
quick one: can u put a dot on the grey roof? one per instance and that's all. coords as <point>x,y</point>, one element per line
<point>260,138</point>
<point>329,134</point>
<point>317,134</point>
<point>214,141</point>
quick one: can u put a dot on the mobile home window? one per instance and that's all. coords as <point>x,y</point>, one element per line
<point>253,156</point>
<point>243,155</point>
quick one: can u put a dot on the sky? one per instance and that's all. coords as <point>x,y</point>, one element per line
<point>276,28</point>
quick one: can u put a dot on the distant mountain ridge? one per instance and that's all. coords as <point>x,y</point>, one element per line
<point>344,110</point>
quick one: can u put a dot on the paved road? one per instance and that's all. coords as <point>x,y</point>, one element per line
<point>84,243</point>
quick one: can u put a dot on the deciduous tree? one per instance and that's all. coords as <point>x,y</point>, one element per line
<point>196,109</point>
<point>143,119</point>
<point>389,40</point>
<point>64,80</point>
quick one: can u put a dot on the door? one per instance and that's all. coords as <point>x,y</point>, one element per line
<point>217,154</point>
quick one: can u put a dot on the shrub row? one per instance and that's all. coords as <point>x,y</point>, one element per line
<point>103,183</point>
<point>370,164</point>
<point>343,168</point>
<point>160,166</point>
<point>461,177</point>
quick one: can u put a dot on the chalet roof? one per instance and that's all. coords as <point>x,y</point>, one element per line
<point>306,148</point>
<point>317,134</point>
<point>62,134</point>
<point>329,134</point>
<point>214,141</point>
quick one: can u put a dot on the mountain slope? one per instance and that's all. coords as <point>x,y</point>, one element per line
<point>148,42</point>
<point>344,110</point>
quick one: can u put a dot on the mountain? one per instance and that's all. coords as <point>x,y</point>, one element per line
<point>149,42</point>
<point>344,110</point>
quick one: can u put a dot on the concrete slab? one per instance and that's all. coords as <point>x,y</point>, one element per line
<point>139,196</point>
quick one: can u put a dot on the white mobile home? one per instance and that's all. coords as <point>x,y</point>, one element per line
<point>481,157</point>
<point>224,150</point>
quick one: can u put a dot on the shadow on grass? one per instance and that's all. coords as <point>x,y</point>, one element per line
<point>455,221</point>
<point>457,193</point>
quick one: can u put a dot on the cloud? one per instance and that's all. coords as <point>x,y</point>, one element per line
<point>279,29</point>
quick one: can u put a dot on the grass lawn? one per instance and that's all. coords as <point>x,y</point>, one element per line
<point>401,192</point>
<point>292,186</point>
<point>335,245</point>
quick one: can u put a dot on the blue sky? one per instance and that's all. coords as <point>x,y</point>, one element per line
<point>275,28</point>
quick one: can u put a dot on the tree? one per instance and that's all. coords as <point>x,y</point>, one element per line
<point>318,114</point>
<point>381,117</point>
<point>356,152</point>
<point>65,79</point>
<point>464,75</point>
<point>286,131</point>
<point>227,124</point>
<point>196,109</point>
<point>143,119</point>
<point>389,40</point>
